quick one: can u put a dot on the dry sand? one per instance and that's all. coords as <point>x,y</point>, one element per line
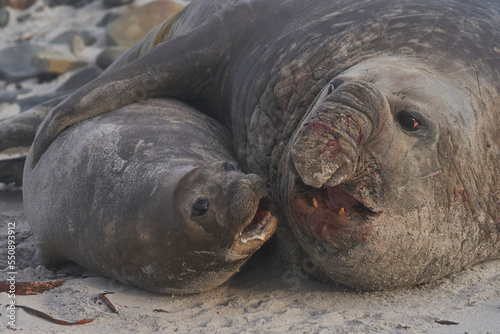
<point>265,297</point>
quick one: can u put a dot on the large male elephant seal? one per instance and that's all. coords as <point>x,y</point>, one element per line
<point>375,122</point>
<point>148,194</point>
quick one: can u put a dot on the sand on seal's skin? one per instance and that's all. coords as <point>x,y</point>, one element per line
<point>265,297</point>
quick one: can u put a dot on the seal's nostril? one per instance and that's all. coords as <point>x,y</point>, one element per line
<point>336,82</point>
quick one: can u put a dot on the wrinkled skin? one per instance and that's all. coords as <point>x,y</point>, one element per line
<point>387,175</point>
<point>148,195</point>
<point>409,196</point>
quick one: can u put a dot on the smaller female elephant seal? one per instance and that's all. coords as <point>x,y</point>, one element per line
<point>148,194</point>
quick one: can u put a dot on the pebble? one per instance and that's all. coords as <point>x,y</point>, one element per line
<point>11,97</point>
<point>107,19</point>
<point>75,39</point>
<point>4,17</point>
<point>73,3</point>
<point>55,61</point>
<point>15,62</point>
<point>11,170</point>
<point>137,22</point>
<point>116,3</point>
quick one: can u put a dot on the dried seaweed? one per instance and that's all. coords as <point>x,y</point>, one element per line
<point>47,317</point>
<point>107,301</point>
<point>30,288</point>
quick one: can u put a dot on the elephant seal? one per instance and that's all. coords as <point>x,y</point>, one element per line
<point>148,194</point>
<point>375,123</point>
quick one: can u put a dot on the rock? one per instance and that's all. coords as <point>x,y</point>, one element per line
<point>115,3</point>
<point>15,62</point>
<point>138,21</point>
<point>4,17</point>
<point>109,55</point>
<point>11,97</point>
<point>88,37</point>
<point>74,3</point>
<point>75,39</point>
<point>11,170</point>
<point>79,78</point>
<point>54,61</point>
<point>19,4</point>
<point>107,19</point>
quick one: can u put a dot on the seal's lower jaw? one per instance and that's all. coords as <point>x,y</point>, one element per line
<point>257,230</point>
<point>331,215</point>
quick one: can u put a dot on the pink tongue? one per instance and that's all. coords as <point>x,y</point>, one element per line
<point>340,199</point>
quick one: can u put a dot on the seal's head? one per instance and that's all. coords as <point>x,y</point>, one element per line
<point>383,187</point>
<point>226,216</point>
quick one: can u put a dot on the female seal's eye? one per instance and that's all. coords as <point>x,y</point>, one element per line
<point>200,207</point>
<point>408,122</point>
<point>228,167</point>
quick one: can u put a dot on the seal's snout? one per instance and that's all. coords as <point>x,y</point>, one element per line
<point>328,145</point>
<point>257,229</point>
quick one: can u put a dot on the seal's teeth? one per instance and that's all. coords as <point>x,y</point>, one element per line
<point>343,213</point>
<point>262,224</point>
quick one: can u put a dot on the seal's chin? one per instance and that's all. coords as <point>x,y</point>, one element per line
<point>332,215</point>
<point>257,229</point>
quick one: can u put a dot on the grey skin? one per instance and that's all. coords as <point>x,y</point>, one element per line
<point>148,194</point>
<point>375,123</point>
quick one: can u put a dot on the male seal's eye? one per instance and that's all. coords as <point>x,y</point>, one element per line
<point>200,207</point>
<point>228,167</point>
<point>408,122</point>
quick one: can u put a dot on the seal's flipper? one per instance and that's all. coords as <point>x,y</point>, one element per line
<point>167,71</point>
<point>20,130</point>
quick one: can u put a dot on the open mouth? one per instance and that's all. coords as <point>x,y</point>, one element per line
<point>333,200</point>
<point>262,225</point>
<point>332,214</point>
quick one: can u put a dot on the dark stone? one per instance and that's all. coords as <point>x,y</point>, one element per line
<point>11,97</point>
<point>116,3</point>
<point>46,77</point>
<point>4,17</point>
<point>15,62</point>
<point>107,19</point>
<point>88,37</point>
<point>109,55</point>
<point>68,38</point>
<point>11,170</point>
<point>74,3</point>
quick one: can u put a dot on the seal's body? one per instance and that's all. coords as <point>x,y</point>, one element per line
<point>376,123</point>
<point>148,194</point>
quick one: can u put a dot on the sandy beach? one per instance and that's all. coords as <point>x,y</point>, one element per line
<point>264,297</point>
